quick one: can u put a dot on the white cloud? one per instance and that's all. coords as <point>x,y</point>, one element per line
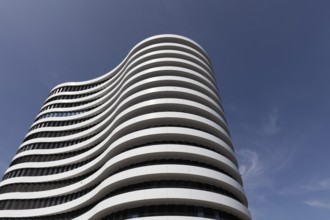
<point>253,171</point>
<point>317,204</point>
<point>320,185</point>
<point>270,126</point>
<point>259,164</point>
<point>251,165</point>
<point>325,184</point>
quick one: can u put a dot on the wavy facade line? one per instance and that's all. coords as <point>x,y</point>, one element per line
<point>148,140</point>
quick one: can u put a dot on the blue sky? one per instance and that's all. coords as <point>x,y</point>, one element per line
<point>271,59</point>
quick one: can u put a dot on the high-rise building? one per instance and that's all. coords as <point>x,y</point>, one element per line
<point>148,140</point>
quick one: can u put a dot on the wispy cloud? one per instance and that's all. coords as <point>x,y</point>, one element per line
<point>320,185</point>
<point>262,158</point>
<point>325,184</point>
<point>259,168</point>
<point>317,204</point>
<point>253,170</point>
<point>269,124</point>
<point>251,165</point>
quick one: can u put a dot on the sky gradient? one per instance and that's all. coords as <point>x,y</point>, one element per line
<point>271,59</point>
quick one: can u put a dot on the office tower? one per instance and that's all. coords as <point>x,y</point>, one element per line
<point>148,140</point>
